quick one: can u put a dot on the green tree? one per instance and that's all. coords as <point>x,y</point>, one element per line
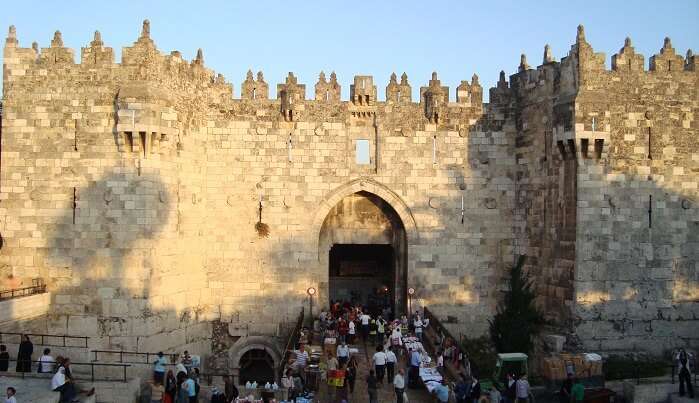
<point>517,319</point>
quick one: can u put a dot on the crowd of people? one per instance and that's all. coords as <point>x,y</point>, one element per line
<point>353,324</point>
<point>182,384</point>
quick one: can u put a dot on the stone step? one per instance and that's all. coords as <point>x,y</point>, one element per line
<point>676,398</point>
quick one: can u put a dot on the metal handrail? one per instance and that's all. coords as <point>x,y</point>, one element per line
<point>173,356</point>
<point>22,292</point>
<point>77,375</point>
<point>43,337</point>
<point>291,342</point>
<point>438,326</point>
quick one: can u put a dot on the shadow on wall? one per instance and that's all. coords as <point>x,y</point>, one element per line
<point>112,248</point>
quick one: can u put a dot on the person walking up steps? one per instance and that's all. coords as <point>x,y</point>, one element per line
<point>391,361</point>
<point>685,373</point>
<point>364,320</point>
<point>371,387</point>
<point>379,360</point>
<point>399,385</point>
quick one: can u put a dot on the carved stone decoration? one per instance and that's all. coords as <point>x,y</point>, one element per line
<point>108,196</point>
<point>490,203</point>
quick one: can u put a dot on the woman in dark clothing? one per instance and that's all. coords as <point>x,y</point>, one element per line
<point>170,387</point>
<point>230,390</point>
<point>351,373</point>
<point>4,358</point>
<point>475,390</point>
<point>372,385</point>
<point>24,355</point>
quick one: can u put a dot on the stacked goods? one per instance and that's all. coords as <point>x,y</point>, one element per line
<point>336,378</point>
<point>329,346</point>
<point>556,368</point>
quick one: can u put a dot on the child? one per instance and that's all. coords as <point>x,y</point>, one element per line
<point>11,395</point>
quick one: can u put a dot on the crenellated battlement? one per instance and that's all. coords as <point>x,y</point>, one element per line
<point>189,90</point>
<point>143,60</point>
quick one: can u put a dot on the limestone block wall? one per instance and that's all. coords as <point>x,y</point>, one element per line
<point>134,189</point>
<point>24,308</point>
<point>541,103</point>
<point>301,169</point>
<point>637,277</point>
<point>102,190</point>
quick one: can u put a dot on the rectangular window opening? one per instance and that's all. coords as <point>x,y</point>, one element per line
<point>362,152</point>
<point>599,146</point>
<point>561,149</point>
<point>128,141</point>
<point>584,146</point>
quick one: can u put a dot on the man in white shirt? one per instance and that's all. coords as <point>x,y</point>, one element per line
<point>332,362</point>
<point>391,360</point>
<point>301,359</point>
<point>417,324</point>
<point>364,320</point>
<point>379,360</point>
<point>352,331</point>
<point>46,362</point>
<point>342,354</point>
<point>399,385</point>
<point>396,338</point>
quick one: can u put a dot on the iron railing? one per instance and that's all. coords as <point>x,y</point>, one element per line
<point>47,337</point>
<point>438,327</point>
<point>290,344</point>
<point>172,356</point>
<point>22,292</point>
<point>77,373</point>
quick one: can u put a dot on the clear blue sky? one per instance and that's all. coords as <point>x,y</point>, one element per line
<point>454,38</point>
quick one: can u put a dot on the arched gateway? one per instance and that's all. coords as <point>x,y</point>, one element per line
<point>363,242</point>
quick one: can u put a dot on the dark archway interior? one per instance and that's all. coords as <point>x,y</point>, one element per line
<point>363,274</point>
<point>256,366</point>
<point>363,243</point>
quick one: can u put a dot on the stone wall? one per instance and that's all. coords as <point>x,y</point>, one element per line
<point>24,308</point>
<point>607,192</point>
<point>154,203</point>
<point>134,190</point>
<point>637,277</point>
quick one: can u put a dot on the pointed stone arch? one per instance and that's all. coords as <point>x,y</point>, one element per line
<point>370,186</point>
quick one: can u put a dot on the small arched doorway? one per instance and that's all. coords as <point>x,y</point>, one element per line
<point>256,365</point>
<point>364,247</point>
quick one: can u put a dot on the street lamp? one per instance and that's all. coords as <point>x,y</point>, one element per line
<point>411,291</point>
<point>311,291</point>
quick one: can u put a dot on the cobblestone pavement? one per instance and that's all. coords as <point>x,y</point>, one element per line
<point>386,392</point>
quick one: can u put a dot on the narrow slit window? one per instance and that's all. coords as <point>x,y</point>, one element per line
<point>128,141</point>
<point>584,146</point>
<point>561,149</point>
<point>599,147</point>
<point>362,156</point>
